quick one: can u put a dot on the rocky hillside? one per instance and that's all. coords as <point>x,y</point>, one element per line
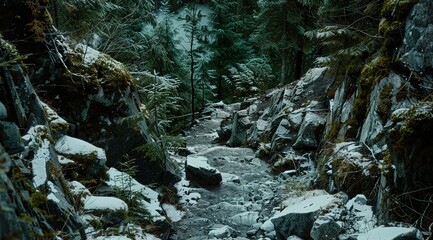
<point>62,136</point>
<point>367,134</point>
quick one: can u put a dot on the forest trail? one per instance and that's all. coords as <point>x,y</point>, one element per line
<point>246,197</point>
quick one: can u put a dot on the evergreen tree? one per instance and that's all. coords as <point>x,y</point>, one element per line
<point>204,75</point>
<point>229,34</point>
<point>280,35</point>
<point>192,20</point>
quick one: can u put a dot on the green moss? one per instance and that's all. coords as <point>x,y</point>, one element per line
<point>385,103</point>
<point>332,134</point>
<point>370,75</point>
<point>397,9</point>
<point>26,218</point>
<point>38,199</point>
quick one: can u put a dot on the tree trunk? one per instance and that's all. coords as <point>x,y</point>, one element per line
<point>283,66</point>
<point>191,54</point>
<point>298,64</point>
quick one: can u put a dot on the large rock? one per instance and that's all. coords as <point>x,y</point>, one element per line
<point>325,228</point>
<point>392,233</point>
<point>10,137</point>
<point>238,132</point>
<point>90,159</point>
<point>349,167</point>
<point>198,170</point>
<point>417,46</point>
<point>282,135</point>
<point>299,218</point>
<point>245,218</point>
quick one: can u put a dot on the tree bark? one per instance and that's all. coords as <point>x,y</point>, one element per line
<point>283,66</point>
<point>298,64</point>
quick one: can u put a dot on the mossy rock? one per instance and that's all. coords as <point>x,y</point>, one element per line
<point>397,9</point>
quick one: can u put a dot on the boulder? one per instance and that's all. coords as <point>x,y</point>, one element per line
<point>222,232</point>
<point>299,218</point>
<point>199,171</point>
<point>238,135</point>
<point>10,137</point>
<point>325,228</point>
<point>351,168</point>
<point>392,233</point>
<point>90,159</point>
<point>245,218</point>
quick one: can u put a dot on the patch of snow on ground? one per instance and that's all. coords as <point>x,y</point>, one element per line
<point>104,203</point>
<point>185,193</point>
<point>74,146</point>
<point>174,214</point>
<point>118,179</point>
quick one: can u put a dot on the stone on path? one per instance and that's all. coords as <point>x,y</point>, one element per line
<point>198,170</point>
<point>222,232</point>
<point>245,218</point>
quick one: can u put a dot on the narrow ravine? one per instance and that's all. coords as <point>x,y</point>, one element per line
<point>238,206</point>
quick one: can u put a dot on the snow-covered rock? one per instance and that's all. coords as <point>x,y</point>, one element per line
<point>197,169</point>
<point>325,228</point>
<point>90,158</point>
<point>92,203</point>
<point>121,180</point>
<point>298,218</point>
<point>392,233</point>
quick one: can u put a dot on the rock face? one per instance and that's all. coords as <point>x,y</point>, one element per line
<point>370,133</point>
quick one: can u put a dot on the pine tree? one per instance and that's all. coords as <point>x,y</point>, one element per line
<point>280,34</point>
<point>192,20</point>
<point>229,34</point>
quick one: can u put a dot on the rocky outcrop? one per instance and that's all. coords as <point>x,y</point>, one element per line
<point>370,132</point>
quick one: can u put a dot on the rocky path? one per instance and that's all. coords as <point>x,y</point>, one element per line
<point>237,207</point>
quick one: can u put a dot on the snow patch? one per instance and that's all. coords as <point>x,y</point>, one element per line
<point>73,146</point>
<point>200,162</point>
<point>104,203</point>
<point>121,180</point>
<point>172,212</point>
<point>42,153</point>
